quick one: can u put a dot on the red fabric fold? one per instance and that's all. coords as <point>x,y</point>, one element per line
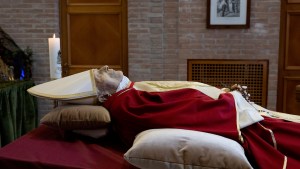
<point>260,147</point>
<point>133,111</point>
<point>46,148</point>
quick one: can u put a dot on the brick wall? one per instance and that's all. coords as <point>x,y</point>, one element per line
<point>30,23</point>
<point>163,34</point>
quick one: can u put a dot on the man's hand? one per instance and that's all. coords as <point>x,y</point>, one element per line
<point>242,90</point>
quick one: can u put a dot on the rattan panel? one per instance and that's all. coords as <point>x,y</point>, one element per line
<point>224,73</point>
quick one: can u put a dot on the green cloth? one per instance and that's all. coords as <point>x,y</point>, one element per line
<point>18,110</point>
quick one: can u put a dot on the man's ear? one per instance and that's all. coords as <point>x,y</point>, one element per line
<point>103,98</point>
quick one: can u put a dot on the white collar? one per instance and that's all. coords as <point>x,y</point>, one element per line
<point>123,84</point>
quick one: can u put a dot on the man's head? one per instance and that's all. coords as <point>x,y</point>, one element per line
<point>107,81</point>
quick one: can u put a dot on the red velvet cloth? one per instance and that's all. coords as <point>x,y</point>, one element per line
<point>133,111</point>
<point>260,148</point>
<point>45,148</point>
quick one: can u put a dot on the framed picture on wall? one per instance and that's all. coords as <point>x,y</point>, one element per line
<point>228,14</point>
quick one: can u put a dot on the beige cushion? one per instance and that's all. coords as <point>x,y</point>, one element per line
<point>77,117</point>
<point>185,149</point>
<point>93,133</point>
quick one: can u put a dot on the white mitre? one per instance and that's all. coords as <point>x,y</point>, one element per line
<point>78,87</point>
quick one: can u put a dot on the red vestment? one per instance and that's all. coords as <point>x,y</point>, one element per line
<point>133,111</point>
<point>259,145</point>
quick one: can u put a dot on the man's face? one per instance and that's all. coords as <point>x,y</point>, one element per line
<point>108,79</point>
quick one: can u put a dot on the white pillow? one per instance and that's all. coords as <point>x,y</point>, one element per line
<point>185,149</point>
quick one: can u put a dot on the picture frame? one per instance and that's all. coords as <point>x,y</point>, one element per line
<point>228,14</point>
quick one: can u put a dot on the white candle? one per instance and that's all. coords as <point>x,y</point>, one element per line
<point>54,57</point>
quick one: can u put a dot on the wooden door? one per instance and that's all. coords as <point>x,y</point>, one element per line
<point>289,57</point>
<point>93,34</point>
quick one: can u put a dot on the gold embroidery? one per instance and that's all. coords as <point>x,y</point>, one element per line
<point>237,121</point>
<point>177,86</point>
<point>92,76</point>
<point>124,91</point>
<point>272,135</point>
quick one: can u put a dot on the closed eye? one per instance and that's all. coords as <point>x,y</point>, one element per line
<point>104,69</point>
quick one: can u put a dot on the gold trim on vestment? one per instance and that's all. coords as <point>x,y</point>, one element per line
<point>93,81</point>
<point>272,135</point>
<point>240,137</point>
<point>285,162</point>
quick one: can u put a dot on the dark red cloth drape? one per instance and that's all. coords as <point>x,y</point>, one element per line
<point>45,148</point>
<point>261,150</point>
<point>133,111</point>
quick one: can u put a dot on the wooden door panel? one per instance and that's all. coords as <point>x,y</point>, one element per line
<point>293,1</point>
<point>93,34</point>
<point>291,104</point>
<point>292,60</point>
<point>94,1</point>
<point>95,39</point>
<point>289,57</point>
